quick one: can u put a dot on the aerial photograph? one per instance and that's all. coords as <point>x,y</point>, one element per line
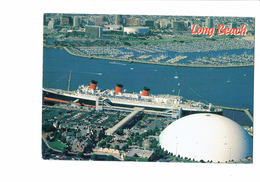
<point>147,88</point>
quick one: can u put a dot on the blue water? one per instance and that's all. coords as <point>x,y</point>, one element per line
<point>208,85</point>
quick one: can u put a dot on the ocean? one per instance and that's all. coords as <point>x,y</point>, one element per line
<point>208,85</point>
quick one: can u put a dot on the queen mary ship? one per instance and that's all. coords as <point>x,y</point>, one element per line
<point>92,96</point>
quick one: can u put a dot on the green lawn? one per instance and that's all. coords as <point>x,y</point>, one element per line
<point>57,145</point>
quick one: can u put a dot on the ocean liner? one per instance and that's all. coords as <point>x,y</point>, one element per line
<point>164,104</point>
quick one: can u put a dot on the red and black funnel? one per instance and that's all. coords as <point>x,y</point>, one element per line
<point>93,84</point>
<point>146,91</point>
<point>119,88</point>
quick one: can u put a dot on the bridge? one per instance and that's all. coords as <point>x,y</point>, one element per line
<point>128,118</point>
<point>237,109</point>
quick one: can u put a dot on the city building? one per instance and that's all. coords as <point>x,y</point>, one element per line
<point>66,21</point>
<point>51,24</point>
<point>233,25</point>
<point>99,20</point>
<point>207,137</point>
<point>114,27</point>
<point>76,21</point>
<point>137,30</point>
<point>119,20</point>
<point>149,23</point>
<point>139,155</point>
<point>94,31</point>
<point>132,21</point>
<point>178,26</point>
<point>209,22</point>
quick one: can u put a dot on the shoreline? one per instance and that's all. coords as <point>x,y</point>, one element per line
<point>157,63</point>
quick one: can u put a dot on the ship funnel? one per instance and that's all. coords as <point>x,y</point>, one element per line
<point>119,88</point>
<point>146,91</point>
<point>93,84</point>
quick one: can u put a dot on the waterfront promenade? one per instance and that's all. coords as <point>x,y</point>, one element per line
<point>157,63</point>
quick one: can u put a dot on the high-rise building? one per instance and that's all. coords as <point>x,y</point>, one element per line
<point>209,23</point>
<point>178,26</point>
<point>45,22</point>
<point>51,24</point>
<point>66,21</point>
<point>99,20</point>
<point>132,21</point>
<point>76,21</point>
<point>233,25</point>
<point>119,20</point>
<point>149,23</point>
<point>94,31</point>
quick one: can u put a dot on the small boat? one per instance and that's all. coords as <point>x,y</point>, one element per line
<point>117,63</point>
<point>228,81</point>
<point>176,75</point>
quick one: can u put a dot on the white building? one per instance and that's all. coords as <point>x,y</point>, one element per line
<point>207,137</point>
<point>51,24</point>
<point>76,21</point>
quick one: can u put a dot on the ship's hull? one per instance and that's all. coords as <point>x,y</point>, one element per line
<point>53,97</point>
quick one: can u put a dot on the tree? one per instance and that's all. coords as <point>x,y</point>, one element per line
<point>102,143</point>
<point>109,158</point>
<point>108,138</point>
<point>47,127</point>
<point>116,147</point>
<point>48,150</point>
<point>93,157</point>
<point>120,132</point>
<point>63,139</point>
<point>139,142</point>
<point>80,154</point>
<point>107,145</point>
<point>64,152</point>
<point>124,147</point>
<point>129,142</point>
<point>138,124</point>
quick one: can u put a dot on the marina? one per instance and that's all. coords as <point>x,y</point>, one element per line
<point>168,53</point>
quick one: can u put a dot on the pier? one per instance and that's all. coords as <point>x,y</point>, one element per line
<point>237,109</point>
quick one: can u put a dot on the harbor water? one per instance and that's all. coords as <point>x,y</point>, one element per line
<point>229,87</point>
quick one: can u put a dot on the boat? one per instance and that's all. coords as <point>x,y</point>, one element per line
<point>117,63</point>
<point>176,75</point>
<point>228,81</point>
<point>163,104</point>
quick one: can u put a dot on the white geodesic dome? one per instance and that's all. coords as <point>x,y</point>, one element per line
<point>207,137</point>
